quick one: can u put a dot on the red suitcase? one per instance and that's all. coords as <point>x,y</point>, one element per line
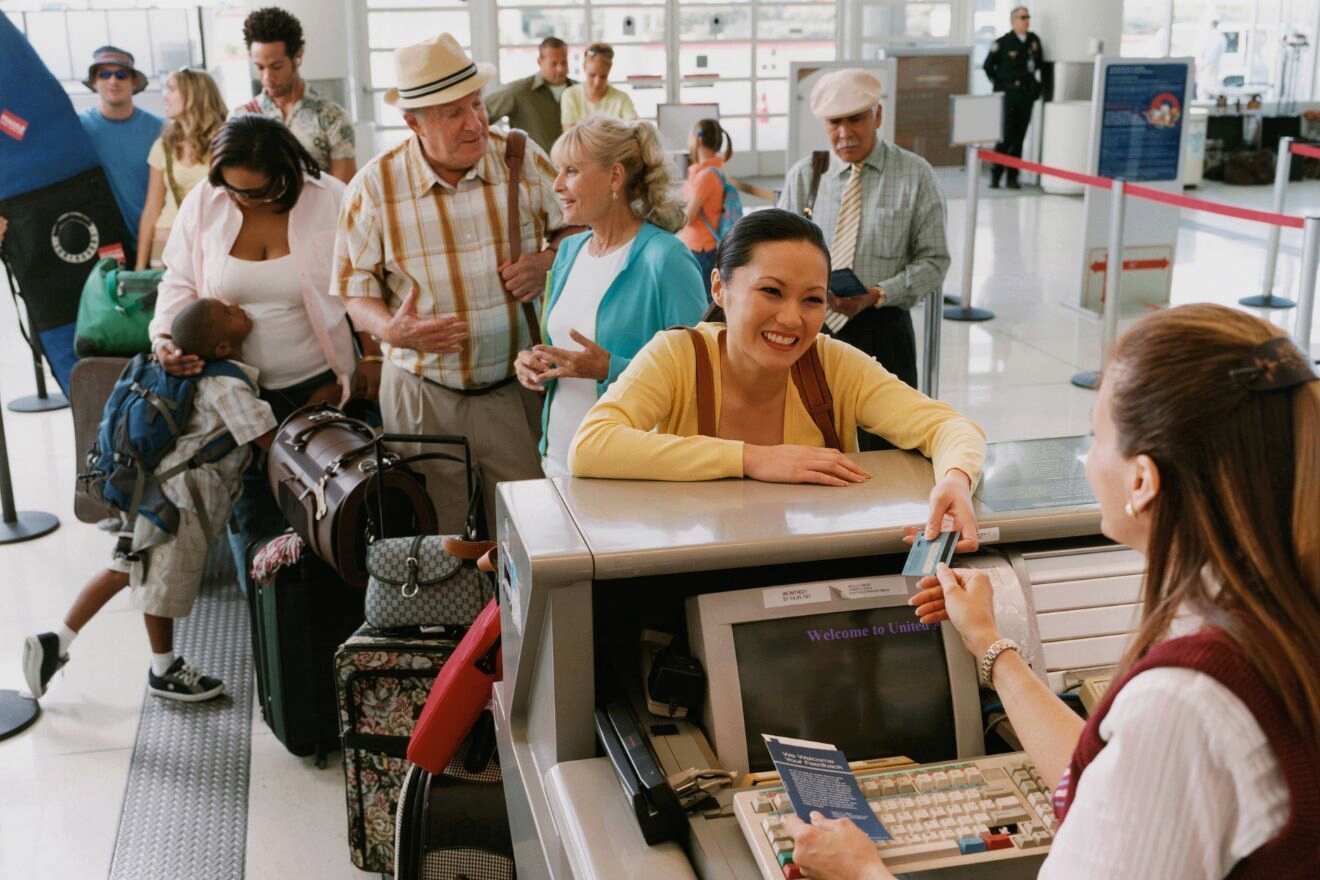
<point>459,694</point>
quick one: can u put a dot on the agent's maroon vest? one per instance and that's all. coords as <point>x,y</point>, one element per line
<point>1295,851</point>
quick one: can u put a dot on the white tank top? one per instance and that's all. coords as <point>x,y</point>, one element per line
<point>282,344</point>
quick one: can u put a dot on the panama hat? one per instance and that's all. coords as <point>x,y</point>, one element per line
<point>435,72</point>
<point>844,92</point>
<point>117,56</point>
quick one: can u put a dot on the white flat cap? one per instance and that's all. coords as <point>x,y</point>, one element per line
<point>844,92</point>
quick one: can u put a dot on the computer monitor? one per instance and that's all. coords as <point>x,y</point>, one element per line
<point>842,662</point>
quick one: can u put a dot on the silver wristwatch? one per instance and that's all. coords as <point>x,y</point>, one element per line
<point>987,664</point>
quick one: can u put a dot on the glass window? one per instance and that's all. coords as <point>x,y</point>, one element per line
<point>645,96</point>
<point>772,96</point>
<point>627,25</point>
<point>773,59</point>
<point>46,33</point>
<point>715,23</point>
<point>927,21</point>
<point>517,62</point>
<point>714,58</point>
<point>794,23</point>
<point>1146,29</point>
<point>531,26</point>
<point>171,41</point>
<point>740,132</point>
<point>772,133</point>
<point>390,30</point>
<point>734,98</point>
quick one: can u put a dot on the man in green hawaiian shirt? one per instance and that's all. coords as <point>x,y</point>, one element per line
<point>275,44</point>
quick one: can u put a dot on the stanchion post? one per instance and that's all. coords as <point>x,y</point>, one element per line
<point>18,525</point>
<point>41,401</point>
<point>964,310</point>
<point>930,376</point>
<point>1113,283</point>
<point>1266,298</point>
<point>1306,293</point>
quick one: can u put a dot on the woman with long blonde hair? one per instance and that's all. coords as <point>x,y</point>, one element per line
<point>194,112</point>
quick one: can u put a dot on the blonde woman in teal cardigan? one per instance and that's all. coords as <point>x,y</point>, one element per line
<point>614,287</point>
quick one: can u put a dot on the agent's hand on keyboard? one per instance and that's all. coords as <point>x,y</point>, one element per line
<point>966,598</point>
<point>834,849</point>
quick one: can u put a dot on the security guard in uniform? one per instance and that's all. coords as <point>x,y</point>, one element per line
<point>1012,66</point>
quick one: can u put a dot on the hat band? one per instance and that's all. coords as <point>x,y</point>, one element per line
<point>440,84</point>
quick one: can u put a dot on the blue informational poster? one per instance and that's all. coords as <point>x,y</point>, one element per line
<point>1141,126</point>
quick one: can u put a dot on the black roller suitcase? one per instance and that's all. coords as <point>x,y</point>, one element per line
<point>298,622</point>
<point>455,824</point>
<point>383,679</point>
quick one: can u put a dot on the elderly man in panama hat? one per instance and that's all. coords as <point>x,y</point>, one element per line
<point>121,134</point>
<point>882,214</point>
<point>423,259</point>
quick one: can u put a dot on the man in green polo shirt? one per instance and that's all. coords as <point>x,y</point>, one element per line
<point>532,104</point>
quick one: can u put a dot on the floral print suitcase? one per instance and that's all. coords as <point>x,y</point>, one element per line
<point>382,680</point>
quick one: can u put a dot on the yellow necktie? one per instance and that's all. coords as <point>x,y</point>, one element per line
<point>844,247</point>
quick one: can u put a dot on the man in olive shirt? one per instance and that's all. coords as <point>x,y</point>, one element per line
<point>532,104</point>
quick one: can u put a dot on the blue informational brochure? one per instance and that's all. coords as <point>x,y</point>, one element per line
<point>817,778</point>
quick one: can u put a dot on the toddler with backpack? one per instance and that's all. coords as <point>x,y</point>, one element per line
<point>713,204</point>
<point>169,454</point>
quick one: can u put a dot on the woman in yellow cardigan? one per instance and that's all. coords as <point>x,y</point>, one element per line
<point>770,281</point>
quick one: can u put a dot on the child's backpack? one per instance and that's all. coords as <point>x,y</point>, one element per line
<point>142,420</point>
<point>732,211</point>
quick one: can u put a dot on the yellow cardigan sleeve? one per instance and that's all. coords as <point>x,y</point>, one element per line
<point>644,427</point>
<point>885,405</point>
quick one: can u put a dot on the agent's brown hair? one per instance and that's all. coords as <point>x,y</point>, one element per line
<point>711,135</point>
<point>1239,490</point>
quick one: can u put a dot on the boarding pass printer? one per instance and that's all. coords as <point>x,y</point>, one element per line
<point>790,599</point>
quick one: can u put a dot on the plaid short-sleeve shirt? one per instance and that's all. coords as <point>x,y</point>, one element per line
<point>402,228</point>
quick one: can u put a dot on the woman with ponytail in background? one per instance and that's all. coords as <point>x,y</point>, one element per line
<point>704,192</point>
<point>613,287</point>
<point>180,157</point>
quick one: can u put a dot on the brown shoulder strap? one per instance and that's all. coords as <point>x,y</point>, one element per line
<point>514,150</point>
<point>814,389</point>
<point>705,384</point>
<point>820,161</point>
<point>169,177</point>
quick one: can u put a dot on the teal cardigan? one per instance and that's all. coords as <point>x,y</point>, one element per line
<point>659,286</point>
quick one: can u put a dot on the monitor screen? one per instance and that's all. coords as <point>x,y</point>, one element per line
<point>872,681</point>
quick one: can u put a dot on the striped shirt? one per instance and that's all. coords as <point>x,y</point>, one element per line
<point>402,228</point>
<point>900,245</point>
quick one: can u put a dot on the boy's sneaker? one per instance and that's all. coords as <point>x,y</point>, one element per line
<point>182,682</point>
<point>41,660</point>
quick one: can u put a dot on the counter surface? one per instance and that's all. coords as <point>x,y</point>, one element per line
<point>1032,490</point>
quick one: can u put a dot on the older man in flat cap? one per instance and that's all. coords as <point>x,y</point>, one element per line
<point>426,262</point>
<point>882,214</point>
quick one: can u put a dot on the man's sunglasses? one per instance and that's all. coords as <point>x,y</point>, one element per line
<point>117,74</point>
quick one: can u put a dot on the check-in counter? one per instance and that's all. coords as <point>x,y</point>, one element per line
<point>577,555</point>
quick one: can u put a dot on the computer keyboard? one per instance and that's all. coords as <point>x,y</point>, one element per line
<point>940,815</point>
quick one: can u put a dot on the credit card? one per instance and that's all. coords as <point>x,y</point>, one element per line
<point>926,556</point>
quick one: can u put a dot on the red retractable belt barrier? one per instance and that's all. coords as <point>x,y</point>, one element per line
<point>1155,195</point>
<point>1306,150</point>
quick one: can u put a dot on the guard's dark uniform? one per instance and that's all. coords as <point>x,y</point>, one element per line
<point>1012,66</point>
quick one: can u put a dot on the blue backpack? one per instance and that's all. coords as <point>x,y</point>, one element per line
<point>732,211</point>
<point>142,420</point>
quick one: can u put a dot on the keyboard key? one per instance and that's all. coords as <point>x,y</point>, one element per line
<point>762,804</point>
<point>997,841</point>
<point>784,857</point>
<point>970,844</point>
<point>792,871</point>
<point>933,849</point>
<point>783,845</point>
<point>782,804</point>
<point>941,780</point>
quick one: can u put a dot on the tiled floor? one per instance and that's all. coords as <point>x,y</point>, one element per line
<point>63,780</point>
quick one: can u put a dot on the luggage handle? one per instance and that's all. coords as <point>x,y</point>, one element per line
<point>433,439</point>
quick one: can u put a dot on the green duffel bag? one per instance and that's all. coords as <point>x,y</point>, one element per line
<point>114,312</point>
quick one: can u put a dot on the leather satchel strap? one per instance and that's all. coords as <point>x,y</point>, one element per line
<point>705,384</point>
<point>514,150</point>
<point>470,550</point>
<point>814,389</point>
<point>489,562</point>
<point>820,161</point>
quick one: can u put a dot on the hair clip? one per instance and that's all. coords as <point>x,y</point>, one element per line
<point>1273,365</point>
